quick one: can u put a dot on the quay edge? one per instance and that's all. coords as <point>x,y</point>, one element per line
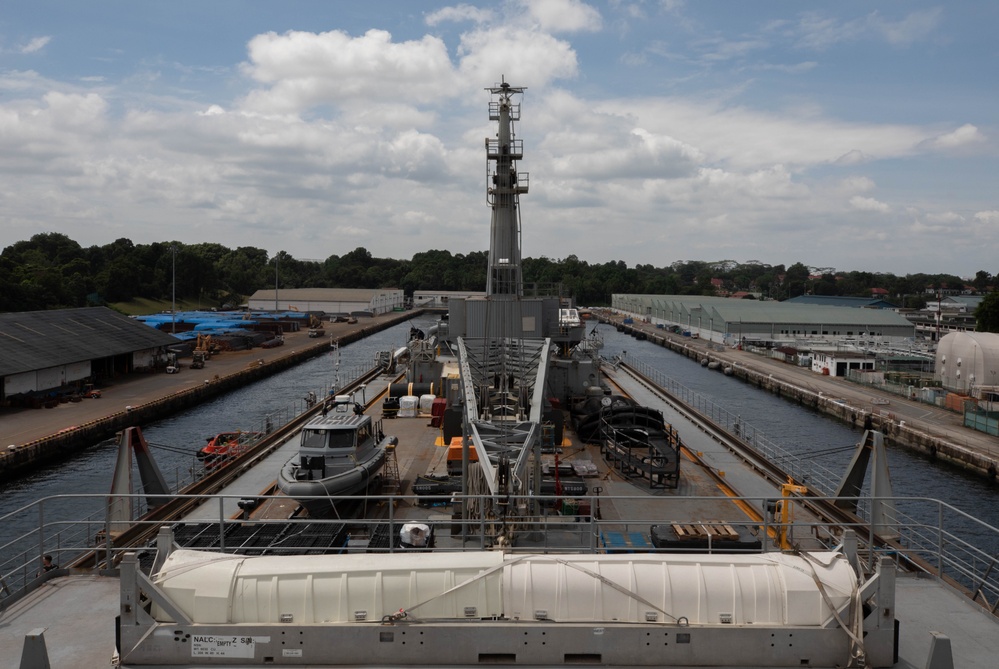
<point>67,441</point>
<point>908,433</point>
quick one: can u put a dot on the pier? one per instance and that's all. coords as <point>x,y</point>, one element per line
<point>930,431</point>
<point>33,437</point>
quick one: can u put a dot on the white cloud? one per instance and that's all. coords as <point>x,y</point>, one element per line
<point>43,136</point>
<point>24,82</point>
<point>869,204</point>
<point>36,44</point>
<point>933,225</point>
<point>417,156</point>
<point>345,138</point>
<point>302,70</point>
<point>819,31</point>
<point>857,184</point>
<point>746,138</point>
<point>795,68</point>
<point>638,154</point>
<point>912,28</point>
<point>966,134</point>
<point>851,157</point>
<point>563,16</point>
<point>459,13</point>
<point>990,217</point>
<point>526,57</point>
<point>717,49</point>
<point>213,110</point>
<point>945,217</point>
<point>352,231</point>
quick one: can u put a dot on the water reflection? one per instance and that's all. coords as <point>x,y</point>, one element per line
<point>175,440</point>
<point>807,432</point>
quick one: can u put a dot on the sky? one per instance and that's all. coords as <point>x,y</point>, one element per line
<point>845,135</point>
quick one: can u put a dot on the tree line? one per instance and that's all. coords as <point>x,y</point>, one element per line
<point>52,271</point>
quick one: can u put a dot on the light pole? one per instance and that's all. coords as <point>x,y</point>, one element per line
<point>277,259</point>
<point>173,306</point>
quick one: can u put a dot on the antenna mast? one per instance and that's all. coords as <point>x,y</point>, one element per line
<point>503,190</point>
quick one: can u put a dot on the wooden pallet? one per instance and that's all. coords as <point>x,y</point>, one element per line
<point>715,530</point>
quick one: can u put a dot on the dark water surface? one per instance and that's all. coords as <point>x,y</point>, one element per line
<point>175,440</point>
<point>808,433</point>
<point>798,429</point>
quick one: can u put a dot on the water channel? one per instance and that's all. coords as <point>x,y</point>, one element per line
<point>798,429</point>
<point>810,434</point>
<point>175,440</point>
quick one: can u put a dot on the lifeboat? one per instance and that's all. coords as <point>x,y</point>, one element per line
<point>225,446</point>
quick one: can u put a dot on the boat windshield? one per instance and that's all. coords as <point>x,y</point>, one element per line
<point>313,438</point>
<point>341,439</point>
<point>332,439</point>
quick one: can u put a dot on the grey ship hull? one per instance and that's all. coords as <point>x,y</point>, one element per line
<point>315,495</point>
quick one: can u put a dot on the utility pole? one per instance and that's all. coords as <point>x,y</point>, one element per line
<point>939,313</point>
<point>173,307</point>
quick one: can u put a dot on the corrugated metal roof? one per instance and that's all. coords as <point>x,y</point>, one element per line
<point>756,311</point>
<point>843,301</point>
<point>32,340</point>
<point>325,294</point>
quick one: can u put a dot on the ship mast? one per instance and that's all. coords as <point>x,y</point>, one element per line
<point>503,189</point>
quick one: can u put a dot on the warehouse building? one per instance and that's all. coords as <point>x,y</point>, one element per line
<point>51,354</point>
<point>843,301</point>
<point>440,299</point>
<point>357,301</point>
<point>731,321</point>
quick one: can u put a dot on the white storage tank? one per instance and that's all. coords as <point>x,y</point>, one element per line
<point>966,360</point>
<point>758,589</point>
<point>408,405</point>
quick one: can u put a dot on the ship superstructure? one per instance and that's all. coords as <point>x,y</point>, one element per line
<point>517,345</point>
<point>511,309</point>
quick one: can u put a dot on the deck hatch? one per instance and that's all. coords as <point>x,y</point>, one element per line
<point>582,658</point>
<point>497,658</point>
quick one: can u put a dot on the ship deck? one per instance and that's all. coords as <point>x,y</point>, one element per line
<point>76,614</point>
<point>76,611</point>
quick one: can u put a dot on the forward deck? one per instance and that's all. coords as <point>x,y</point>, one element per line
<point>717,494</point>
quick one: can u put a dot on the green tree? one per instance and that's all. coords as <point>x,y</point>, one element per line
<point>987,313</point>
<point>120,280</point>
<point>243,272</point>
<point>796,279</point>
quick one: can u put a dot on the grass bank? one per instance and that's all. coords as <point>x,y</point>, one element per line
<point>142,306</point>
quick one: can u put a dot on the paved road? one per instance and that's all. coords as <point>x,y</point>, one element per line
<point>934,421</point>
<point>21,426</point>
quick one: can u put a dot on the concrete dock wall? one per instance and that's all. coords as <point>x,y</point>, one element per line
<point>907,434</point>
<point>71,440</point>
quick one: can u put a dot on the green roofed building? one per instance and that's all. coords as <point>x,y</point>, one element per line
<point>730,321</point>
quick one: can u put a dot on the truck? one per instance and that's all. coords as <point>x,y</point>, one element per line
<point>172,365</point>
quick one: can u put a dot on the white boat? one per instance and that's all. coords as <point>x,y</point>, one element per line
<point>340,452</point>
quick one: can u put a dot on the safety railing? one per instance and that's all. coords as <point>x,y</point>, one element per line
<point>924,533</point>
<point>804,469</point>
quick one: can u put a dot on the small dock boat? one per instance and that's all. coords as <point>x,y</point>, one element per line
<point>340,451</point>
<point>225,446</point>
